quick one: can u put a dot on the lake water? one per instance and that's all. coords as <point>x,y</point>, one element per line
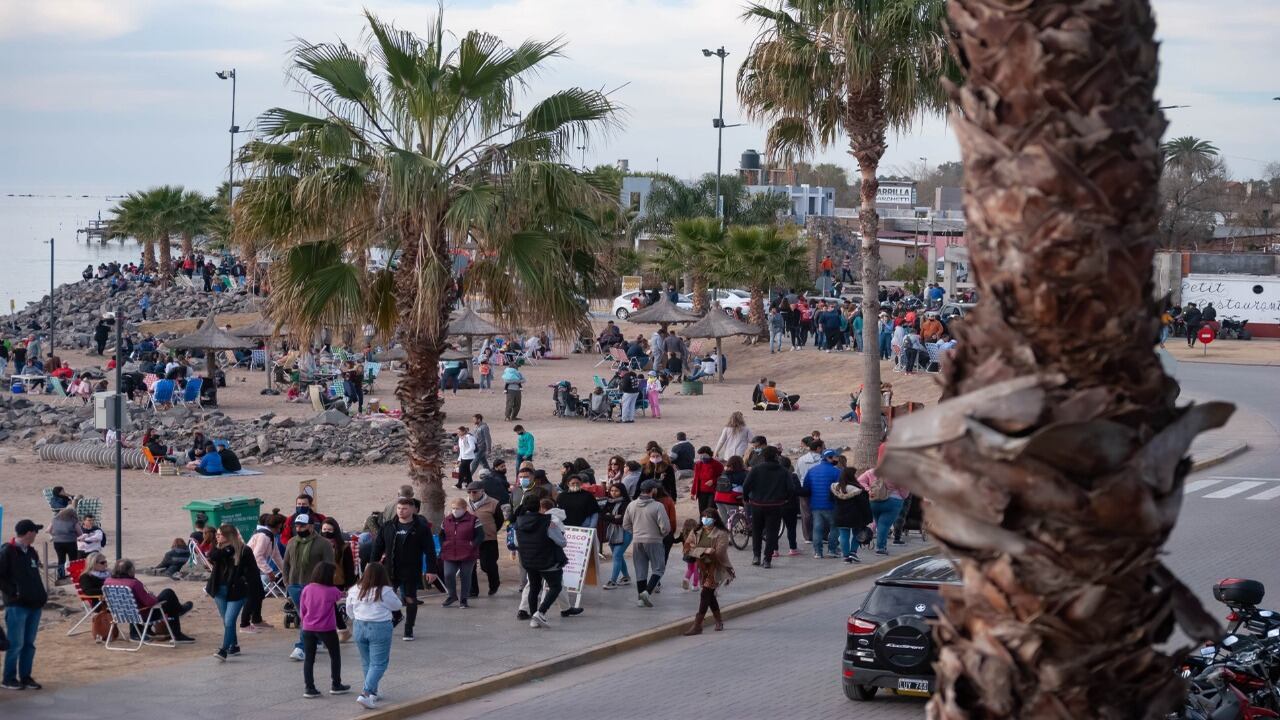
<point>27,223</point>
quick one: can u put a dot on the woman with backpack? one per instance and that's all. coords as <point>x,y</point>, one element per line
<point>886,503</point>
<point>852,512</point>
<point>231,581</point>
<point>540,544</point>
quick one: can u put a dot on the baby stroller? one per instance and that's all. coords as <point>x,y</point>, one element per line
<point>566,404</point>
<point>291,618</point>
<point>600,407</point>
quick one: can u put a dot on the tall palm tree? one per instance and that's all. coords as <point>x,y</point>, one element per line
<point>1189,155</point>
<point>670,201</point>
<point>412,149</point>
<point>820,68</point>
<point>688,251</point>
<point>1055,463</point>
<point>151,216</point>
<point>760,258</point>
<point>195,218</point>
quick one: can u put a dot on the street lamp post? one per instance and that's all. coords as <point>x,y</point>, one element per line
<point>52,330</point>
<point>719,125</point>
<point>231,162</point>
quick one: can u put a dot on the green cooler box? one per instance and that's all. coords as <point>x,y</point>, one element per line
<point>238,510</point>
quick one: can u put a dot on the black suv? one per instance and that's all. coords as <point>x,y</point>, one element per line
<point>890,644</point>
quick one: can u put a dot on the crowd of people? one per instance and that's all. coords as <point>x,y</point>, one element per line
<point>227,274</point>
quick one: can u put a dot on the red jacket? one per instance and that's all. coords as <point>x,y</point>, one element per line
<point>705,475</point>
<point>317,519</point>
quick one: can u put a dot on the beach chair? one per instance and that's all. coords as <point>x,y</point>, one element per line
<point>48,498</point>
<point>149,380</point>
<point>229,356</point>
<point>935,358</point>
<point>161,394</point>
<point>371,370</point>
<point>354,541</point>
<point>124,611</point>
<point>153,464</point>
<point>55,387</point>
<point>317,402</point>
<point>338,389</point>
<point>89,604</point>
<point>257,359</point>
<point>191,394</point>
<point>273,588</point>
<point>198,558</point>
<point>88,506</point>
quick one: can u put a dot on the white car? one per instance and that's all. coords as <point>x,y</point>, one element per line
<point>732,299</point>
<point>622,304</point>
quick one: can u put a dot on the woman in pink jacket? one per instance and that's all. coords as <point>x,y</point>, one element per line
<point>886,503</point>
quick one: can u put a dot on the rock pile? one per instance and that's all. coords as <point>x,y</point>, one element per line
<point>79,305</point>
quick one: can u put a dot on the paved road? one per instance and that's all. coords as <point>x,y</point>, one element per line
<point>785,662</point>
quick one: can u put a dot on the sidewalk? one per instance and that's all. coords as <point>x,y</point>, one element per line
<point>1243,431</point>
<point>454,647</point>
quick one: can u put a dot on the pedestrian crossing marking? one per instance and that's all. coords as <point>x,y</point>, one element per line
<point>1267,494</point>
<point>1195,485</point>
<point>1234,489</point>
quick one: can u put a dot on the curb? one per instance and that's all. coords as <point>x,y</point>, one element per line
<point>551,666</point>
<point>1228,454</point>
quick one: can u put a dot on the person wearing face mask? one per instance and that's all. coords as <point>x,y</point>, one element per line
<point>301,506</point>
<point>580,507</point>
<point>615,508</point>
<point>706,471</point>
<point>301,555</point>
<point>487,510</point>
<point>460,536</point>
<point>710,549</point>
<point>540,544</point>
<point>524,481</point>
<point>660,470</point>
<point>496,484</point>
<point>344,574</point>
<point>405,547</point>
<point>756,450</point>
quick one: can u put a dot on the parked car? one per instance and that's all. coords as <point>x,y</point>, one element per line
<point>732,299</point>
<point>953,310</point>
<point>622,304</point>
<point>889,642</point>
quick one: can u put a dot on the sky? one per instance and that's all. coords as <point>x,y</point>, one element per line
<point>117,95</point>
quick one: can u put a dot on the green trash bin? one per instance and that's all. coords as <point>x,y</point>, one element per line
<point>238,510</point>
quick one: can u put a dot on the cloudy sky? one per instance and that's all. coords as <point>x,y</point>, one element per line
<point>112,95</point>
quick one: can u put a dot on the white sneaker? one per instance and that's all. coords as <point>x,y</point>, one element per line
<point>368,702</point>
<point>539,620</point>
<point>644,599</point>
<point>640,602</point>
<point>298,655</point>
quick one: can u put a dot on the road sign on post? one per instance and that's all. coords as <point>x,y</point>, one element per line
<point>1206,336</point>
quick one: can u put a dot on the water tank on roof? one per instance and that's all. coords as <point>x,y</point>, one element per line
<point>750,160</point>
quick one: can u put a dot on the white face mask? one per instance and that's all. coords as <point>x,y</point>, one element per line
<point>707,522</point>
<point>459,512</point>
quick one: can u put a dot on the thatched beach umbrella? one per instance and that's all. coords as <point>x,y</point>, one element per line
<point>468,324</point>
<point>717,324</point>
<point>209,337</point>
<point>664,312</point>
<point>452,354</point>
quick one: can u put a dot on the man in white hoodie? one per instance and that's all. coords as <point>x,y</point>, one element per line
<point>803,464</point>
<point>648,523</point>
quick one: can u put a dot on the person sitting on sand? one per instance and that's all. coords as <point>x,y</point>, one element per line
<point>197,446</point>
<point>230,461</point>
<point>174,559</point>
<point>210,462</point>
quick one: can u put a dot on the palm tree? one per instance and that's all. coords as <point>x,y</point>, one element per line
<point>689,252</point>
<point>1189,155</point>
<point>413,150</point>
<point>1055,463</point>
<point>151,216</point>
<point>671,201</point>
<point>820,68</point>
<point>195,218</point>
<point>758,259</point>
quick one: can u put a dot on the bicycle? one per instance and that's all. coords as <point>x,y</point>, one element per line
<point>739,525</point>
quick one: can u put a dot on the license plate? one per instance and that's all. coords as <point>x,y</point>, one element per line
<point>913,687</point>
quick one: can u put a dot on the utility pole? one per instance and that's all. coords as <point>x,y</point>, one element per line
<point>52,329</point>
<point>119,426</point>
<point>718,124</point>
<point>231,161</point>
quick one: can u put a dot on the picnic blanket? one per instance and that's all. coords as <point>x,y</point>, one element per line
<point>243,472</point>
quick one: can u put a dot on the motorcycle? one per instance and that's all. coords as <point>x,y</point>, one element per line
<point>1233,328</point>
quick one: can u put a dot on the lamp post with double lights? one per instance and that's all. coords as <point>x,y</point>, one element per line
<point>718,124</point>
<point>231,162</point>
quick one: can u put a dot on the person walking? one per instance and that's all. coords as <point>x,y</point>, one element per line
<point>484,444</point>
<point>318,612</point>
<point>344,561</point>
<point>706,471</point>
<point>266,554</point>
<point>540,546</point>
<point>489,512</point>
<point>817,487</point>
<point>811,458</point>
<point>231,581</point>
<point>646,519</point>
<point>466,456</point>
<point>24,599</point>
<point>524,444</point>
<point>372,606</point>
<point>734,438</point>
<point>1191,317</point>
<point>886,504</point>
<point>406,548</point>
<point>777,330</point>
<point>629,386</point>
<point>619,539</point>
<point>766,490</point>
<point>513,385</point>
<point>710,550</point>
<point>460,536</point>
<point>301,556</point>
<point>852,512</point>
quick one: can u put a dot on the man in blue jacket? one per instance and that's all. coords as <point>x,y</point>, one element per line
<point>817,486</point>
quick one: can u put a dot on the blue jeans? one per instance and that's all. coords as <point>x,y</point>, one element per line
<point>295,596</point>
<point>229,610</point>
<point>886,345</point>
<point>848,543</point>
<point>885,513</point>
<point>775,339</point>
<point>697,373</point>
<point>824,528</point>
<point>373,640</point>
<point>22,624</point>
<point>619,551</point>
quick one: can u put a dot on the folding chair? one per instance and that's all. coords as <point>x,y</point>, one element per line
<point>371,370</point>
<point>274,588</point>
<point>191,394</point>
<point>161,394</point>
<point>338,389</point>
<point>55,385</point>
<point>198,558</point>
<point>88,506</point>
<point>935,358</point>
<point>233,361</point>
<point>317,402</point>
<point>257,359</point>
<point>124,611</point>
<point>354,541</point>
<point>153,464</point>
<point>149,380</point>
<point>89,604</point>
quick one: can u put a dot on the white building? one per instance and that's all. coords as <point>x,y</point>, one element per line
<point>806,200</point>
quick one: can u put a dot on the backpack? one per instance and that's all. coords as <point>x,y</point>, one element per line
<point>724,484</point>
<point>879,490</point>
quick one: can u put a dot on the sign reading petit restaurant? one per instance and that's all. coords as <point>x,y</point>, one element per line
<point>1255,298</point>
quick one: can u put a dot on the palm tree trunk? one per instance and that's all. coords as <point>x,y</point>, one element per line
<point>700,303</point>
<point>1054,465</point>
<point>419,387</point>
<point>149,255</point>
<point>186,244</point>
<point>866,125</point>
<point>166,261</point>
<point>756,313</point>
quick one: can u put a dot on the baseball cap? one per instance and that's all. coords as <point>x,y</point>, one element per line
<point>650,485</point>
<point>828,454</point>
<point>303,519</point>
<point>25,526</point>
<point>475,485</point>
